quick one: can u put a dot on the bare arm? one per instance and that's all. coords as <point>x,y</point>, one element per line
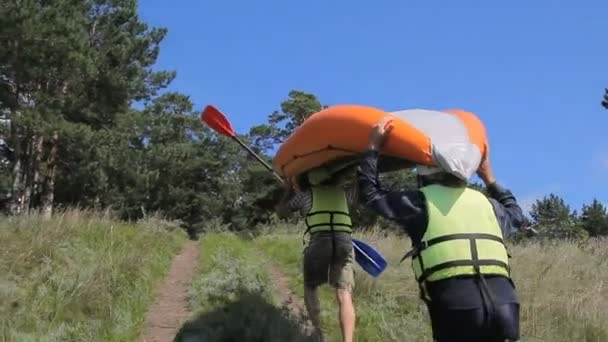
<point>508,212</point>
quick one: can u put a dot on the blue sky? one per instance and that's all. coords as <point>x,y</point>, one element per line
<point>533,71</point>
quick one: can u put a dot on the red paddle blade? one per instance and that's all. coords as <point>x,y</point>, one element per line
<point>217,121</point>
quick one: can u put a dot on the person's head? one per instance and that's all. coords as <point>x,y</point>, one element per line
<point>427,175</point>
<point>324,177</point>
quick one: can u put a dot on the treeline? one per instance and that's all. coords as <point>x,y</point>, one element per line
<point>84,122</point>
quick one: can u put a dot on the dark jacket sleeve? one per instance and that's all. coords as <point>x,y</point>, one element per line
<point>407,208</point>
<point>294,201</point>
<point>509,214</point>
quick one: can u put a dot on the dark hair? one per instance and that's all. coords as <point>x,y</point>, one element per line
<point>334,180</point>
<point>304,183</point>
<point>442,178</point>
<point>337,177</point>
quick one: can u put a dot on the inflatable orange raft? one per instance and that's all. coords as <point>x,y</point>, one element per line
<point>453,139</point>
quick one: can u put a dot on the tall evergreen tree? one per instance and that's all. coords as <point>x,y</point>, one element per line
<point>553,218</point>
<point>594,219</point>
<point>298,107</point>
<point>65,63</point>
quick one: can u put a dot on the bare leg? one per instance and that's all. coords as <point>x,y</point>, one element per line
<point>313,306</point>
<point>346,313</point>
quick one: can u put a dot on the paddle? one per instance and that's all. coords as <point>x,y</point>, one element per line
<point>219,123</point>
<point>368,258</point>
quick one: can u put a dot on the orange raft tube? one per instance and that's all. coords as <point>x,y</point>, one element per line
<point>343,131</point>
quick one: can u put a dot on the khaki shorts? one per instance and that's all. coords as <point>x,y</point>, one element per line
<point>318,268</point>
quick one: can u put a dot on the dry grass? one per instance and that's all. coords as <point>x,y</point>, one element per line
<point>562,289</point>
<point>79,276</point>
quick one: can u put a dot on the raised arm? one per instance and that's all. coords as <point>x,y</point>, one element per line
<point>404,207</point>
<point>394,205</point>
<point>508,212</point>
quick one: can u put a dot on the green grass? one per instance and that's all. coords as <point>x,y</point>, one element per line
<point>85,277</point>
<point>385,309</point>
<point>562,289</point>
<point>226,269</point>
<point>233,296</point>
<point>79,276</point>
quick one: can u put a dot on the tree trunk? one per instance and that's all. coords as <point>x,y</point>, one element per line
<point>16,204</point>
<point>17,192</point>
<point>37,171</point>
<point>48,195</point>
<point>28,174</point>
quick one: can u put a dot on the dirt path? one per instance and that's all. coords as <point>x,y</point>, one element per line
<point>287,298</point>
<point>170,311</point>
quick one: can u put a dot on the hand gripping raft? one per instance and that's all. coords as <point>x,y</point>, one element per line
<point>452,139</point>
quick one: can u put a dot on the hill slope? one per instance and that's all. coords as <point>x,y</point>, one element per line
<point>79,276</point>
<point>560,287</point>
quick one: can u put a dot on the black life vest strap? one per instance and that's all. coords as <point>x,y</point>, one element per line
<point>327,212</point>
<point>418,248</point>
<point>455,263</point>
<point>331,224</point>
<point>476,263</point>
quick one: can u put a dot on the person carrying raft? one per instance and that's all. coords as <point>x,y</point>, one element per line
<point>459,259</point>
<point>329,256</point>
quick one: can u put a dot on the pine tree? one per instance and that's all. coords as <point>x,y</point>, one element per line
<point>68,66</point>
<point>553,218</point>
<point>594,219</point>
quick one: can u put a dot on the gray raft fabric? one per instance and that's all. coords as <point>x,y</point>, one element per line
<point>452,149</point>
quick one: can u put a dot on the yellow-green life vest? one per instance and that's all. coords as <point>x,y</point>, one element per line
<point>329,211</point>
<point>463,236</point>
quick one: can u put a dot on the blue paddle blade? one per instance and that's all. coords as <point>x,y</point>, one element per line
<point>368,258</point>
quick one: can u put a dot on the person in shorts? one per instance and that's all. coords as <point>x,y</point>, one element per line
<point>329,256</point>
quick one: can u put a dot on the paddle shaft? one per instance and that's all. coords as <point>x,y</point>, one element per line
<point>257,157</point>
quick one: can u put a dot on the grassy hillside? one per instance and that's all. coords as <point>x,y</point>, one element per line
<point>234,296</point>
<point>561,286</point>
<point>79,276</point>
<point>387,308</point>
